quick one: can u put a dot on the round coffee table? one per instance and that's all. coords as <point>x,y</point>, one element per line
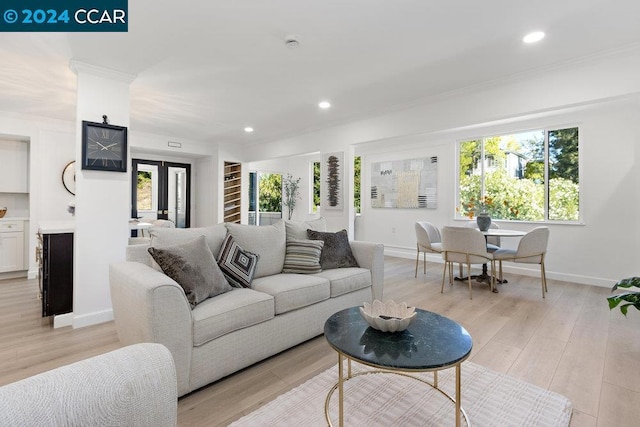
<point>431,343</point>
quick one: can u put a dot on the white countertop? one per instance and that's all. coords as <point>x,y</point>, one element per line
<point>15,218</point>
<point>56,227</point>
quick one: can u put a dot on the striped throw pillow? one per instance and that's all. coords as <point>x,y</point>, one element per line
<point>303,256</point>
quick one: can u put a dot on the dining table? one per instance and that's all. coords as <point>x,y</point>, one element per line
<point>485,276</point>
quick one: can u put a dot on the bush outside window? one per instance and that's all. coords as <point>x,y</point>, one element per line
<point>526,176</point>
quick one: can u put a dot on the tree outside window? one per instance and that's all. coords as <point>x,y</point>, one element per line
<point>527,176</point>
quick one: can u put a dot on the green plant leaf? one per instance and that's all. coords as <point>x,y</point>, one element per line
<point>631,298</point>
<point>629,282</point>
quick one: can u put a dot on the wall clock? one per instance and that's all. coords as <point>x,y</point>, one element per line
<point>104,146</point>
<point>69,177</point>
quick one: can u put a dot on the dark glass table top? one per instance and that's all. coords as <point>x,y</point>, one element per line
<point>430,342</point>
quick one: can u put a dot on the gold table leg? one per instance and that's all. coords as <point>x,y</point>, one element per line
<point>341,391</point>
<point>458,397</point>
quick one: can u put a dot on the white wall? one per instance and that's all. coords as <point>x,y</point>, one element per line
<point>598,94</point>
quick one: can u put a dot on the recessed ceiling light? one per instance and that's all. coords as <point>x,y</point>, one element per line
<point>248,129</point>
<point>533,37</point>
<point>324,105</point>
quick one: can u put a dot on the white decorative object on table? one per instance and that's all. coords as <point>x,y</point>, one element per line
<point>389,316</point>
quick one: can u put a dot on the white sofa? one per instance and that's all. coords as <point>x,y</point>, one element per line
<point>238,328</point>
<point>132,386</point>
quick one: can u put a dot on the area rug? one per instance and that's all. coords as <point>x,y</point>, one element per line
<point>488,397</point>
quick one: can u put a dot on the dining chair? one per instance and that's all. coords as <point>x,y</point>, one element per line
<point>465,245</point>
<point>532,249</point>
<point>428,240</point>
<point>493,242</point>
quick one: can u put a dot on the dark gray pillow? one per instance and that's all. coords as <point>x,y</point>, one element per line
<point>336,252</point>
<point>193,266</point>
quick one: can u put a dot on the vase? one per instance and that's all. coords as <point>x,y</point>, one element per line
<point>484,221</point>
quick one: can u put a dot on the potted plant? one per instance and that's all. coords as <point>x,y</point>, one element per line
<point>627,299</point>
<point>291,193</point>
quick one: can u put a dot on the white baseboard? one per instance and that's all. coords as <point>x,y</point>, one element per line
<point>410,253</point>
<point>62,320</point>
<point>94,318</point>
<point>32,274</point>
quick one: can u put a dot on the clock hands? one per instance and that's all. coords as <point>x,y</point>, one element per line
<point>108,146</point>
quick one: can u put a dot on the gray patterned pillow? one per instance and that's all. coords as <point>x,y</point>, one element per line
<point>193,266</point>
<point>238,265</point>
<point>303,256</point>
<point>336,252</point>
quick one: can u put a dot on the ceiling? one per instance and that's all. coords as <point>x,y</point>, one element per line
<point>208,68</point>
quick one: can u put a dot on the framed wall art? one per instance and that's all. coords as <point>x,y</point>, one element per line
<point>406,184</point>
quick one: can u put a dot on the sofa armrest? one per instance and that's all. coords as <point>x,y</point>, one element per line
<point>130,386</point>
<point>149,306</point>
<point>371,256</point>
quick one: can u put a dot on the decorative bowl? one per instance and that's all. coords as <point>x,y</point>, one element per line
<point>389,316</point>
<point>2,212</point>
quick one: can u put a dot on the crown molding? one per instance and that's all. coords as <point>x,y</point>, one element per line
<point>83,67</point>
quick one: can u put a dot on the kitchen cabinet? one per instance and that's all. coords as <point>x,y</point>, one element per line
<point>14,167</point>
<point>11,246</point>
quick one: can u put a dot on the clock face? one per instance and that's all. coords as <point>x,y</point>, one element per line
<point>104,147</point>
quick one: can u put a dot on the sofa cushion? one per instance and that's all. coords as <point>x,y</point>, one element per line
<point>161,237</point>
<point>192,265</point>
<point>298,229</point>
<point>238,265</point>
<point>303,256</point>
<point>345,280</point>
<point>293,291</point>
<point>268,241</point>
<point>336,252</point>
<point>233,310</point>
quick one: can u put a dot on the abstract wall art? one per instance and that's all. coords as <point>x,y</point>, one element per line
<point>333,188</point>
<point>411,183</point>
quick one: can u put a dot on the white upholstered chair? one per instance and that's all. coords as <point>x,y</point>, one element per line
<point>493,242</point>
<point>428,240</point>
<point>464,245</point>
<point>532,249</point>
<point>163,223</point>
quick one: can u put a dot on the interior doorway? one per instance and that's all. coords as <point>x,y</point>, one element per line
<point>161,190</point>
<point>265,198</point>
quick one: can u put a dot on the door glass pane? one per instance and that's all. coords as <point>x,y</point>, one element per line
<point>147,191</point>
<point>177,203</point>
<point>253,198</point>
<point>269,198</point>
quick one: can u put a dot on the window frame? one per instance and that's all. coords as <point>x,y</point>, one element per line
<point>457,216</point>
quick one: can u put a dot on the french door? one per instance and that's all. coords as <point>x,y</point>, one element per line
<point>161,190</point>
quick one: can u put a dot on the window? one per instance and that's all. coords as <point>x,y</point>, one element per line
<point>315,191</point>
<point>527,176</point>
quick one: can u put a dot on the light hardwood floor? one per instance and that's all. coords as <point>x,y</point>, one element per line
<point>569,343</point>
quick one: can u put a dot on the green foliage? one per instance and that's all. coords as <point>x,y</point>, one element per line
<point>270,192</point>
<point>316,185</point>
<point>563,200</point>
<point>291,193</point>
<point>357,165</point>
<point>627,299</point>
<point>563,154</point>
<point>144,179</point>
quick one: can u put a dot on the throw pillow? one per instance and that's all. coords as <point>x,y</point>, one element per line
<point>298,229</point>
<point>193,266</point>
<point>238,265</point>
<point>303,256</point>
<point>269,241</point>
<point>336,252</point>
